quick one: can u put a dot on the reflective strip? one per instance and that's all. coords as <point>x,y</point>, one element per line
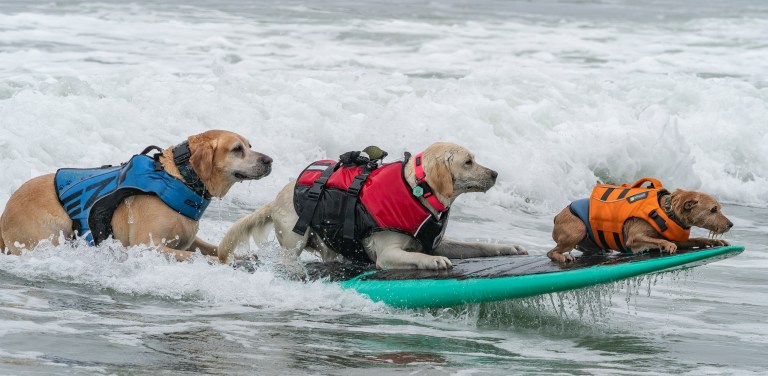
<point>601,239</point>
<point>623,193</point>
<point>69,198</point>
<point>72,206</point>
<point>606,194</point>
<point>617,239</point>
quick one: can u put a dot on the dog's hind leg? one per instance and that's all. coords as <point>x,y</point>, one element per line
<point>569,230</point>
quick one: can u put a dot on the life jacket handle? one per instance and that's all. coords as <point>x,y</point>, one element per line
<point>655,183</point>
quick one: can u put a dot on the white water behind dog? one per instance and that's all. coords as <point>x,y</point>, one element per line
<point>554,95</point>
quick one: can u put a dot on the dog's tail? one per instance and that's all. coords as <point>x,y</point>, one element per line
<point>254,225</point>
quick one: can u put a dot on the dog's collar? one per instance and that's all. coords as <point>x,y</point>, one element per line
<point>422,188</point>
<point>181,155</point>
<point>670,213</point>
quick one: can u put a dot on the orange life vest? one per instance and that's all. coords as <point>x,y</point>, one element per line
<point>610,206</point>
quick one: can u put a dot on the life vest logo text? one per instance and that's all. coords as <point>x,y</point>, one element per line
<point>637,197</point>
<point>193,204</point>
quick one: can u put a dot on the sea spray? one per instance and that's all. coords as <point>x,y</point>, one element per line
<point>590,308</point>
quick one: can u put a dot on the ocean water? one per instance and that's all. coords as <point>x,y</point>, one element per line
<point>553,94</point>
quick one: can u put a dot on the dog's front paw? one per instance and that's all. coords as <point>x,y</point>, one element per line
<point>560,257</point>
<point>513,250</point>
<point>704,242</point>
<point>249,264</point>
<point>717,242</point>
<point>435,263</point>
<point>669,247</point>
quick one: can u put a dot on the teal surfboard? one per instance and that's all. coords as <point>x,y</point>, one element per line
<point>510,277</point>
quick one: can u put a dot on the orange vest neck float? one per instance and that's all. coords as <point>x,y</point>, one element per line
<point>610,206</point>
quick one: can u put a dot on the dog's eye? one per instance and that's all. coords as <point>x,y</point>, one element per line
<point>238,149</point>
<point>468,162</point>
<point>713,210</point>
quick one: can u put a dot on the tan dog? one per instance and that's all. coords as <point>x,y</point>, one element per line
<point>450,171</point>
<point>690,209</point>
<point>219,158</point>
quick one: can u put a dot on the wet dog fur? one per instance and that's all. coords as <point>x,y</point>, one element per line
<point>690,208</point>
<point>220,159</point>
<point>450,170</point>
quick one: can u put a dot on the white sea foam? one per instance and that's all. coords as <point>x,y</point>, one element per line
<point>142,271</point>
<point>553,109</point>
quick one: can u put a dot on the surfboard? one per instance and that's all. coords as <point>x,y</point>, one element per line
<point>508,277</point>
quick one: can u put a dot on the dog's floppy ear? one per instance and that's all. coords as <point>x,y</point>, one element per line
<point>687,198</point>
<point>202,155</point>
<point>439,177</point>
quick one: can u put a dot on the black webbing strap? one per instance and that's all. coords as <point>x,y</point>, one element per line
<point>181,153</point>
<point>314,197</point>
<point>659,221</point>
<point>150,148</point>
<point>351,202</point>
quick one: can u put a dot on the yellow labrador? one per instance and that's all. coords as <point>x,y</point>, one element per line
<point>219,158</point>
<point>450,171</point>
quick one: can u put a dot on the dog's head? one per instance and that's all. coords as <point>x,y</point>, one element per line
<point>700,210</point>
<point>223,158</point>
<point>452,170</point>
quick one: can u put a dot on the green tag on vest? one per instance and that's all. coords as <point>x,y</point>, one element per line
<point>418,191</point>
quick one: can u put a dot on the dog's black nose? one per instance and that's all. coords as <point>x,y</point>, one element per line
<point>265,160</point>
<point>730,224</point>
<point>494,174</point>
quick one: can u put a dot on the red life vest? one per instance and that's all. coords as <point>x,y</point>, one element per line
<point>345,214</point>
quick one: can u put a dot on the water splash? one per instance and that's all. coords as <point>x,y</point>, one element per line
<point>583,310</point>
<point>128,205</point>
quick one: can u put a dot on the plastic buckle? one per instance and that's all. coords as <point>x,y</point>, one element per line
<point>357,184</point>
<point>314,192</point>
<point>659,221</point>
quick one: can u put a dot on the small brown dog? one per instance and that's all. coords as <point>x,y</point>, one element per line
<point>218,158</point>
<point>679,210</point>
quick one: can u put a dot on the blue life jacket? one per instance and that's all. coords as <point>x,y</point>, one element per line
<point>90,196</point>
